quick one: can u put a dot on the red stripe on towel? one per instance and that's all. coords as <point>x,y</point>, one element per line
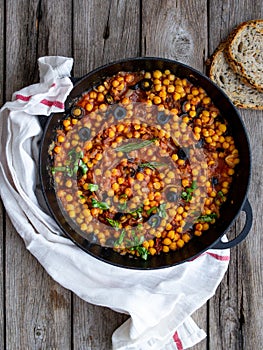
<point>53,103</point>
<point>23,98</point>
<point>48,103</point>
<point>219,257</point>
<point>178,341</point>
<point>216,256</point>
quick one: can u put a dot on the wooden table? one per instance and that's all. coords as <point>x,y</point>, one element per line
<point>36,312</point>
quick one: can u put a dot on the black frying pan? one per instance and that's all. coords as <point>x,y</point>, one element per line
<point>237,197</point>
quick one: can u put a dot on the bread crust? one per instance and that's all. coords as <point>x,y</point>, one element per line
<point>241,94</point>
<point>237,61</point>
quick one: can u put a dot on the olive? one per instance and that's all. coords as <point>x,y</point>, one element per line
<point>109,99</point>
<point>171,196</point>
<point>134,87</point>
<point>154,220</point>
<point>181,154</point>
<point>146,84</point>
<point>104,196</point>
<point>77,112</point>
<point>200,143</point>
<point>129,171</point>
<point>118,216</point>
<point>214,180</point>
<point>110,242</point>
<point>199,110</point>
<point>119,112</point>
<point>132,172</point>
<point>84,134</point>
<point>130,159</point>
<point>163,118</point>
<point>109,112</point>
<point>92,238</point>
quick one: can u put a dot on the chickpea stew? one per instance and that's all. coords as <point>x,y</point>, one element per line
<point>143,162</point>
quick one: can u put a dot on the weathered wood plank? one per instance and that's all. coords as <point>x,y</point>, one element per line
<point>109,30</point>
<point>38,310</point>
<point>235,312</point>
<point>2,235</point>
<point>250,261</point>
<point>2,277</point>
<point>174,31</point>
<point>94,325</point>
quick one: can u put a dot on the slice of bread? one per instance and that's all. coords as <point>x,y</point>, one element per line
<point>241,94</point>
<point>245,52</point>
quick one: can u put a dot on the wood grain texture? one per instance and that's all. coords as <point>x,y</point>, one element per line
<point>94,325</point>
<point>225,15</point>
<point>174,31</point>
<point>54,28</point>
<point>40,317</point>
<point>234,311</point>
<point>21,44</point>
<point>2,212</point>
<point>108,31</point>
<point>250,261</point>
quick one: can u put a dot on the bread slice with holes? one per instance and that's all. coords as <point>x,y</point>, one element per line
<point>241,94</point>
<point>245,52</point>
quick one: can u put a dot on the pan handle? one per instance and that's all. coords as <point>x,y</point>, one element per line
<point>249,218</point>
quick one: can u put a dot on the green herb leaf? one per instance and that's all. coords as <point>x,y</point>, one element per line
<point>149,211</point>
<point>188,193</point>
<point>134,146</point>
<point>161,210</point>
<point>83,167</point>
<point>143,252</point>
<point>137,212</point>
<point>140,227</point>
<point>120,239</point>
<point>58,168</point>
<point>194,185</point>
<point>113,223</point>
<point>122,206</point>
<point>220,194</point>
<point>73,163</point>
<point>93,187</point>
<point>185,196</point>
<point>152,165</point>
<point>73,154</point>
<point>101,205</point>
<point>207,218</point>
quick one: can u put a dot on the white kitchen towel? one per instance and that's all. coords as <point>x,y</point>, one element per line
<point>159,302</point>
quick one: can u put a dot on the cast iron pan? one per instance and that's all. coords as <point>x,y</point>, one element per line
<point>237,197</point>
